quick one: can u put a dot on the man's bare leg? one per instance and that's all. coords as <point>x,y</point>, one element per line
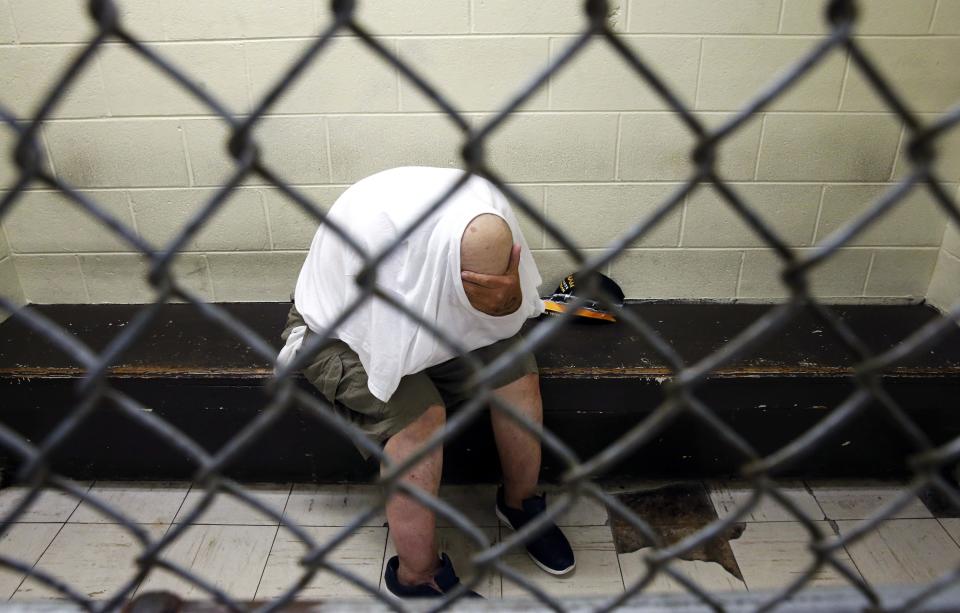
<point>412,526</point>
<point>519,450</point>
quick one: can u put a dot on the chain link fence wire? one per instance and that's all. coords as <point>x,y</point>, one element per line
<point>95,393</point>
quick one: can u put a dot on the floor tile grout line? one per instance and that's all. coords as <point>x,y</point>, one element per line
<point>623,580</point>
<point>186,495</point>
<point>138,486</point>
<point>383,560</point>
<point>876,532</point>
<point>705,484</point>
<point>950,534</point>
<point>853,561</point>
<point>273,543</point>
<point>79,501</point>
<point>241,525</point>
<point>499,531</point>
<point>171,523</point>
<point>873,485</point>
<point>809,489</point>
<point>37,561</point>
<point>182,502</point>
<point>136,590</point>
<point>887,520</point>
<point>227,494</point>
<point>45,549</point>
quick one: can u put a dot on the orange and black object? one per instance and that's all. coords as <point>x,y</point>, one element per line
<point>568,291</point>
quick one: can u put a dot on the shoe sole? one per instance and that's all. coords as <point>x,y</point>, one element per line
<point>544,568</point>
<point>392,596</point>
<point>405,599</point>
<point>397,598</point>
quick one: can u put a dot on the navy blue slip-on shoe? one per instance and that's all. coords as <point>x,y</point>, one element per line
<point>550,550</point>
<point>445,578</point>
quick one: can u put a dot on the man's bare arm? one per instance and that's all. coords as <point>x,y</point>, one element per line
<point>496,295</point>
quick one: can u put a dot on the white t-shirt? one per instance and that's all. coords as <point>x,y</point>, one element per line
<point>423,273</point>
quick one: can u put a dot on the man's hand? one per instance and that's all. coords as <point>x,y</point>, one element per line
<point>495,294</point>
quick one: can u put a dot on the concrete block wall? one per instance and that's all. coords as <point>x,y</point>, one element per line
<point>944,289</point>
<point>595,149</point>
<point>9,281</point>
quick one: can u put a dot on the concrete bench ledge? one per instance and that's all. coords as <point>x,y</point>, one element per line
<point>598,381</point>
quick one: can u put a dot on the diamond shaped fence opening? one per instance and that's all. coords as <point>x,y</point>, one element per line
<point>95,392</point>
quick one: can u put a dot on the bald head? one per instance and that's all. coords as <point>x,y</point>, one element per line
<point>486,245</point>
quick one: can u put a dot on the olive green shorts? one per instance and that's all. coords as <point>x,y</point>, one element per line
<point>337,373</point>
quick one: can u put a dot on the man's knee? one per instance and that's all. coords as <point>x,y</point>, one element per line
<point>429,422</point>
<point>528,384</point>
<point>434,418</point>
<point>417,433</point>
<point>523,395</point>
<point>532,380</point>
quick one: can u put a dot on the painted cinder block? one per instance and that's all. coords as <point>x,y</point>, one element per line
<point>536,17</point>
<point>555,264</point>
<point>293,229</point>
<point>137,87</point>
<point>47,21</point>
<point>921,70</point>
<point>28,73</point>
<point>4,245</point>
<point>473,74</point>
<point>555,147</point>
<point>8,34</point>
<point>563,161</point>
<point>789,210</point>
<point>290,226</point>
<point>533,195</point>
<point>677,273</point>
<point>363,145</point>
<point>593,216</point>
<point>293,147</point>
<point>255,277</point>
<point>121,278</point>
<point>901,272</point>
<point>915,221</point>
<point>947,18</point>
<point>187,19</point>
<point>951,239</point>
<point>816,147</point>
<point>841,275</point>
<point>944,289</point>
<point>239,223</point>
<point>119,153</point>
<point>50,279</point>
<point>10,285</point>
<point>47,222</point>
<point>409,16</point>
<point>704,16</point>
<point>344,77</point>
<point>598,78</point>
<point>736,69</point>
<point>658,147</point>
<point>946,148</point>
<point>873,17</point>
<point>8,169</point>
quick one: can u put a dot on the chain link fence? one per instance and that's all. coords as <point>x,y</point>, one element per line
<point>94,392</point>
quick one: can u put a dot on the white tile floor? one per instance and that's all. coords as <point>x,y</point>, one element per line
<point>249,555</point>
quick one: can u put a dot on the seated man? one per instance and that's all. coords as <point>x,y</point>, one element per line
<point>467,270</point>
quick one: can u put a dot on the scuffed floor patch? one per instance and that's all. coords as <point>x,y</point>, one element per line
<point>676,511</point>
